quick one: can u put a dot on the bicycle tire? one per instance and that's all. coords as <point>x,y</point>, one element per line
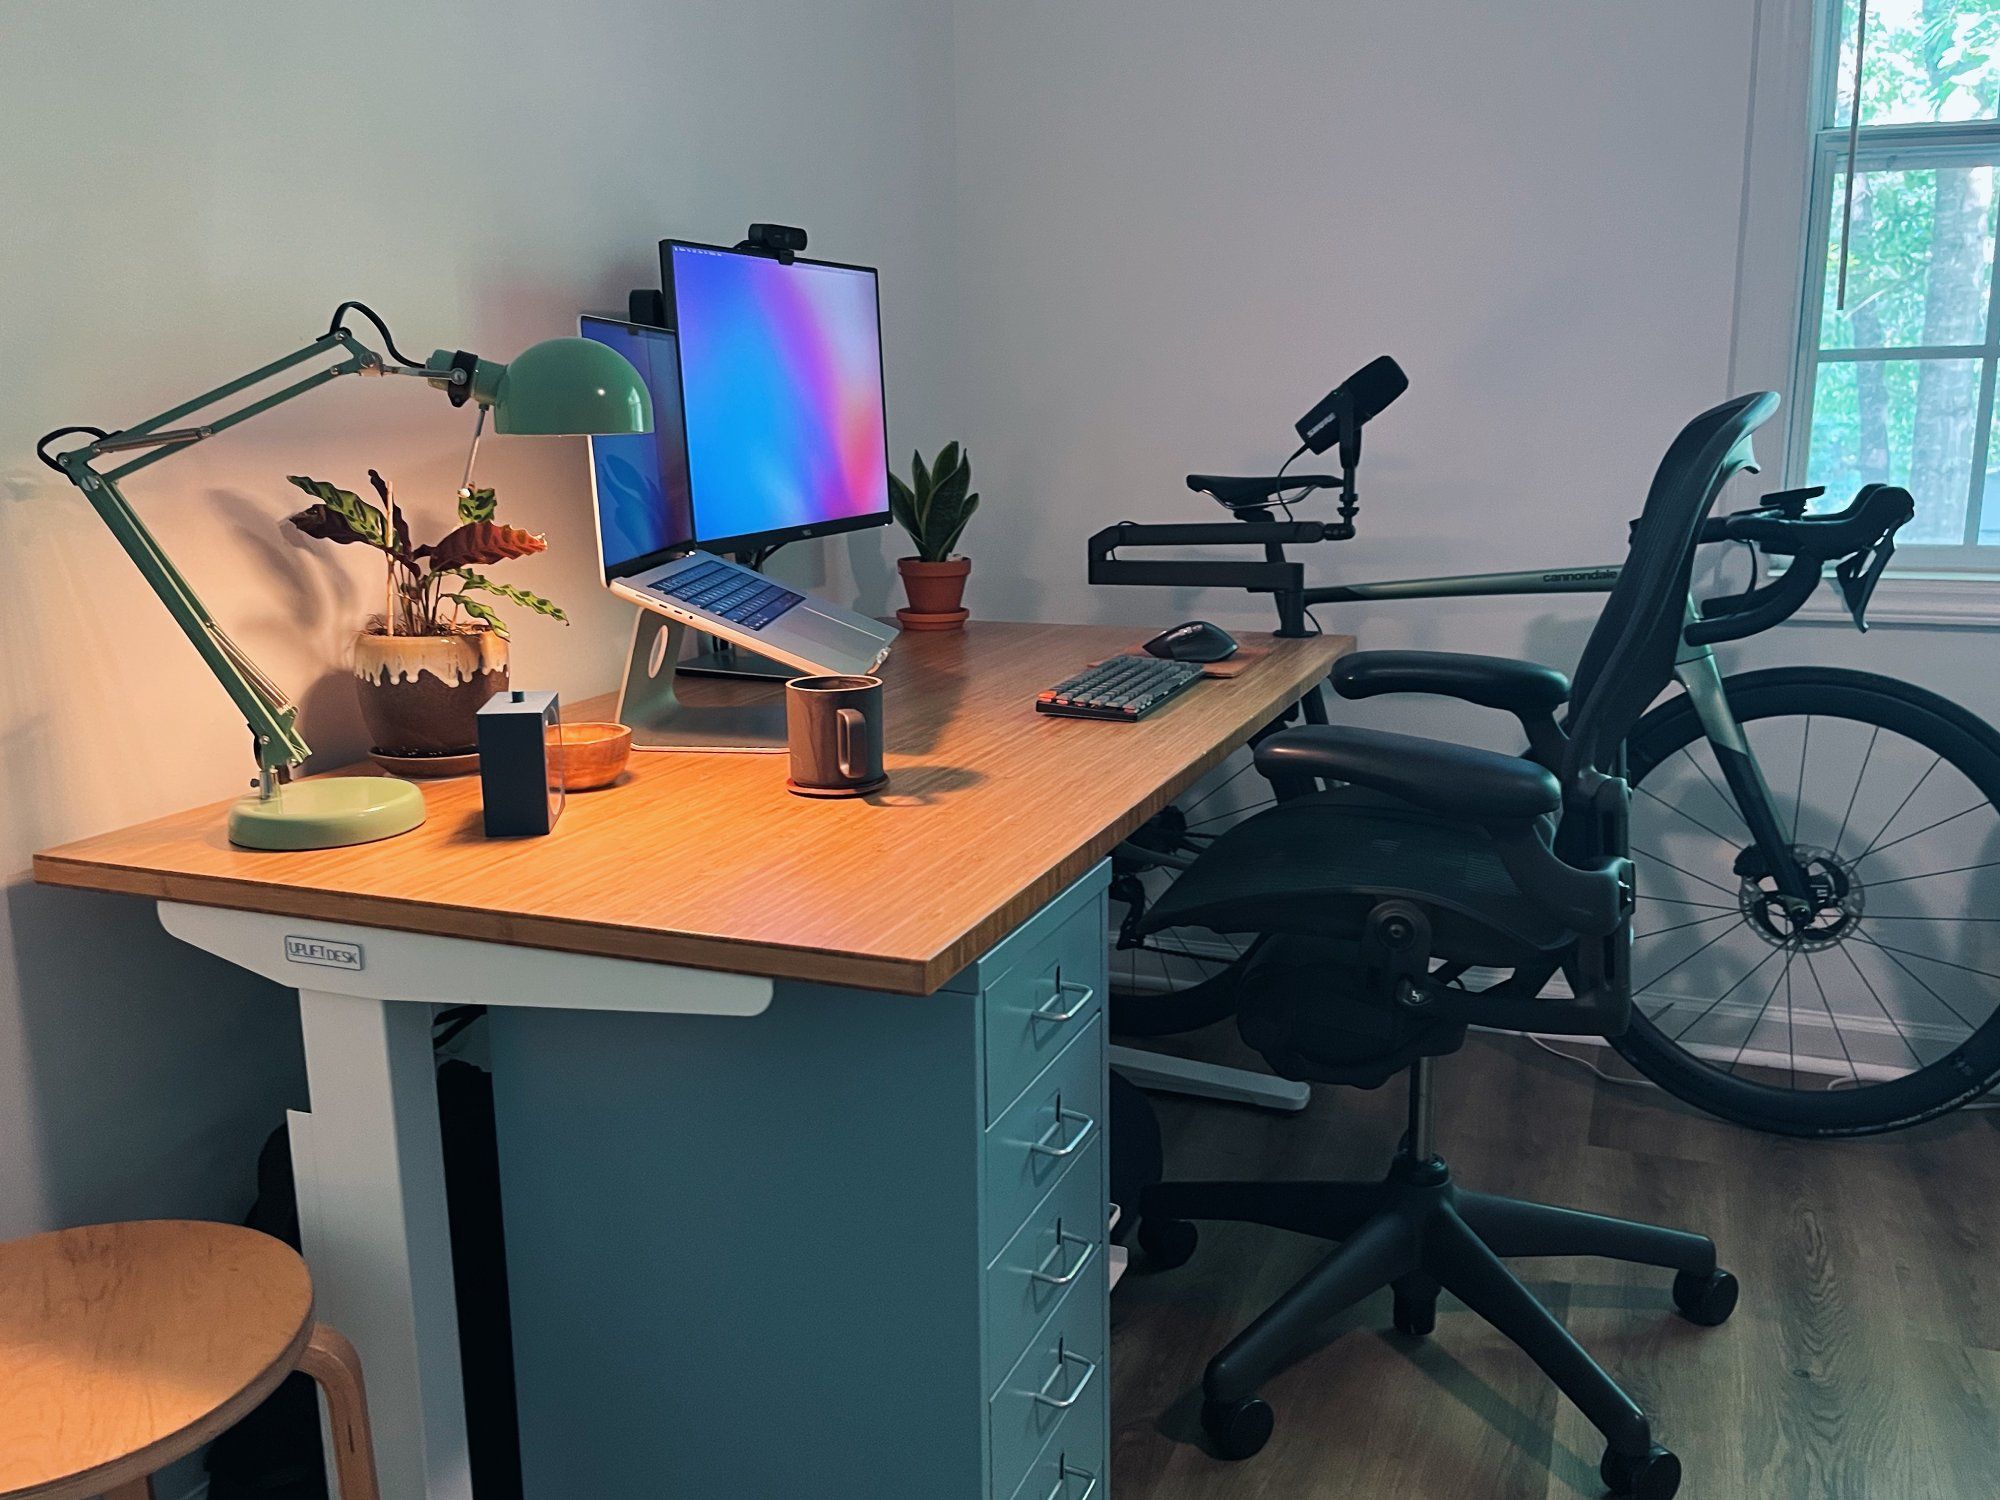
<point>1955,736</point>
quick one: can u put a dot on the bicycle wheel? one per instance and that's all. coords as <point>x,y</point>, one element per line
<point>1878,1012</point>
<point>1178,979</point>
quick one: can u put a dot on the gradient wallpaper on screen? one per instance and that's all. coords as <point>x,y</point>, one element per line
<point>781,375</point>
<point>642,480</point>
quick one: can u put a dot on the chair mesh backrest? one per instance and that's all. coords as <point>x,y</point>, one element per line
<point>1630,654</point>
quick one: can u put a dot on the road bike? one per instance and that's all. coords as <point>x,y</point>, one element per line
<point>1817,950</point>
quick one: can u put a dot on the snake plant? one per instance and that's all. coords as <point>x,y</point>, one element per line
<point>935,506</point>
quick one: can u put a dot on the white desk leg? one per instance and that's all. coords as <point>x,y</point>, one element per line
<point>370,1174</point>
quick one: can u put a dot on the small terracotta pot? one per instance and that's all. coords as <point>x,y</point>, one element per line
<point>936,590</point>
<point>419,693</point>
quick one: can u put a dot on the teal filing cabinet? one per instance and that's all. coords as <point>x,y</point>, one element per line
<point>850,1249</point>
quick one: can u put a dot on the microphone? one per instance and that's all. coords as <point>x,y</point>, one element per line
<point>1341,414</point>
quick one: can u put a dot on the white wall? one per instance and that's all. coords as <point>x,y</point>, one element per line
<point>185,192</point>
<point>1180,224</point>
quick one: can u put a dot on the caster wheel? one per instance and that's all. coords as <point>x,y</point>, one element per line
<point>1237,1428</point>
<point>1706,1299</point>
<point>1415,1316</point>
<point>1653,1475</point>
<point>1167,1242</point>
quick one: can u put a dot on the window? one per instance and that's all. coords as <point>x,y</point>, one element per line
<point>1898,385</point>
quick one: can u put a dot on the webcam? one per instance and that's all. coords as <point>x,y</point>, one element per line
<point>779,241</point>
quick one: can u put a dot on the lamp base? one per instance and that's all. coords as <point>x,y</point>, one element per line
<point>327,813</point>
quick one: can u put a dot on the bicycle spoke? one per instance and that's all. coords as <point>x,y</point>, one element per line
<point>1791,1042</point>
<point>1925,829</point>
<point>1689,873</point>
<point>1723,797</point>
<point>1891,952</point>
<point>1671,807</point>
<point>1832,1020</point>
<point>1235,812</point>
<point>1726,994</point>
<point>1799,794</point>
<point>1222,786</point>
<point>1684,901</point>
<point>1784,977</point>
<point>1878,1001</point>
<point>1936,761</point>
<point>1876,885</point>
<point>1696,954</point>
<point>1883,916</point>
<point>1680,926</point>
<point>1867,755</point>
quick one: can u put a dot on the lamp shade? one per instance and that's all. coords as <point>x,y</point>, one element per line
<point>571,386</point>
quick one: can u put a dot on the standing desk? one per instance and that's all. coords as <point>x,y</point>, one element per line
<point>800,1102</point>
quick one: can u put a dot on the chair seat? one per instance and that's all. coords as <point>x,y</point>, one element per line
<point>1315,865</point>
<point>126,1346</point>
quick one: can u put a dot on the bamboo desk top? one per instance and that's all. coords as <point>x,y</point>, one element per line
<point>705,860</point>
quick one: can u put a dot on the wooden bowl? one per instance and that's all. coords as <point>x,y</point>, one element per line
<point>593,754</point>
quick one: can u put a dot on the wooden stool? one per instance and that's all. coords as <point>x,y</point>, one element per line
<point>126,1346</point>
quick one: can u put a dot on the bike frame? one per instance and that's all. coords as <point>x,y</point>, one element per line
<point>1695,668</point>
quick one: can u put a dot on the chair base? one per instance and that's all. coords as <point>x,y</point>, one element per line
<point>1418,1233</point>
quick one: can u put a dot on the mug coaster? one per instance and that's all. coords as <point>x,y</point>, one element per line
<point>835,791</point>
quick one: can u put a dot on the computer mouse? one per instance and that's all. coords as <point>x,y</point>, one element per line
<point>1197,640</point>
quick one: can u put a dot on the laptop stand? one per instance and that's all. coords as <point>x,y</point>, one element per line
<point>659,720</point>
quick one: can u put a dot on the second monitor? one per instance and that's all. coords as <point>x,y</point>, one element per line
<point>782,396</point>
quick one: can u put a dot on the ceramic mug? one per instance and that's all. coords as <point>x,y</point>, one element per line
<point>833,726</point>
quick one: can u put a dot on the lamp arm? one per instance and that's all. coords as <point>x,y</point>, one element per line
<point>269,711</point>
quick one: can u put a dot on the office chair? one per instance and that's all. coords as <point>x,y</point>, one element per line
<point>1369,904</point>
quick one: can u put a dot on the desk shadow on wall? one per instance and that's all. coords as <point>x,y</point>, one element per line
<point>150,1072</point>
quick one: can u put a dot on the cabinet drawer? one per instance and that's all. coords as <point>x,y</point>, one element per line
<point>1059,1384</point>
<point>1033,1010</point>
<point>1073,1462</point>
<point>1060,1249</point>
<point>1045,1133</point>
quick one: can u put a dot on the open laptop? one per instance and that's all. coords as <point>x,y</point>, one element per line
<point>648,530</point>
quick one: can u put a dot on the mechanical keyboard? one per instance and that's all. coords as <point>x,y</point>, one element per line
<point>734,594</point>
<point>1123,689</point>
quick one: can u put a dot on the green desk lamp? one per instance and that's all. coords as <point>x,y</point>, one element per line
<point>561,386</point>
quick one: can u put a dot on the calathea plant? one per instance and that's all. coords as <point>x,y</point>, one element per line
<point>433,586</point>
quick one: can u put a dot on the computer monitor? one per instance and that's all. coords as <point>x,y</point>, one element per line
<point>640,482</point>
<point>782,397</point>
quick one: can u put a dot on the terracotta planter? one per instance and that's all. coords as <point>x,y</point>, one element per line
<point>936,590</point>
<point>419,693</point>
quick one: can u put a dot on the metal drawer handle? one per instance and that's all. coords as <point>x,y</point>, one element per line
<point>1084,1126</point>
<point>1063,1359</point>
<point>1064,1237</point>
<point>1084,995</point>
<point>1065,1472</point>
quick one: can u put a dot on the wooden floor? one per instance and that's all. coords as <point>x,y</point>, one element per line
<point>1863,1361</point>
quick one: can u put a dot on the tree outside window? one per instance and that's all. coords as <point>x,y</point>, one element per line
<point>1901,378</point>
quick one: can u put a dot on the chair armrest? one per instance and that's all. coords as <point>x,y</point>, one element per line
<point>1518,687</point>
<point>1458,781</point>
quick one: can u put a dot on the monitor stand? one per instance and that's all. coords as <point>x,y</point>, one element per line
<point>720,658</point>
<point>659,720</point>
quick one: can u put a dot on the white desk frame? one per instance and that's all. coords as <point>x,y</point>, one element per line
<point>367,1156</point>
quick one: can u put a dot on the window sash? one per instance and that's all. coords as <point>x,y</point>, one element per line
<point>1894,148</point>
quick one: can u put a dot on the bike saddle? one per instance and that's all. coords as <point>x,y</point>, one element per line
<point>1241,492</point>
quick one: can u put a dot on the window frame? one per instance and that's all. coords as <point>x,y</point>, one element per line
<point>1915,146</point>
